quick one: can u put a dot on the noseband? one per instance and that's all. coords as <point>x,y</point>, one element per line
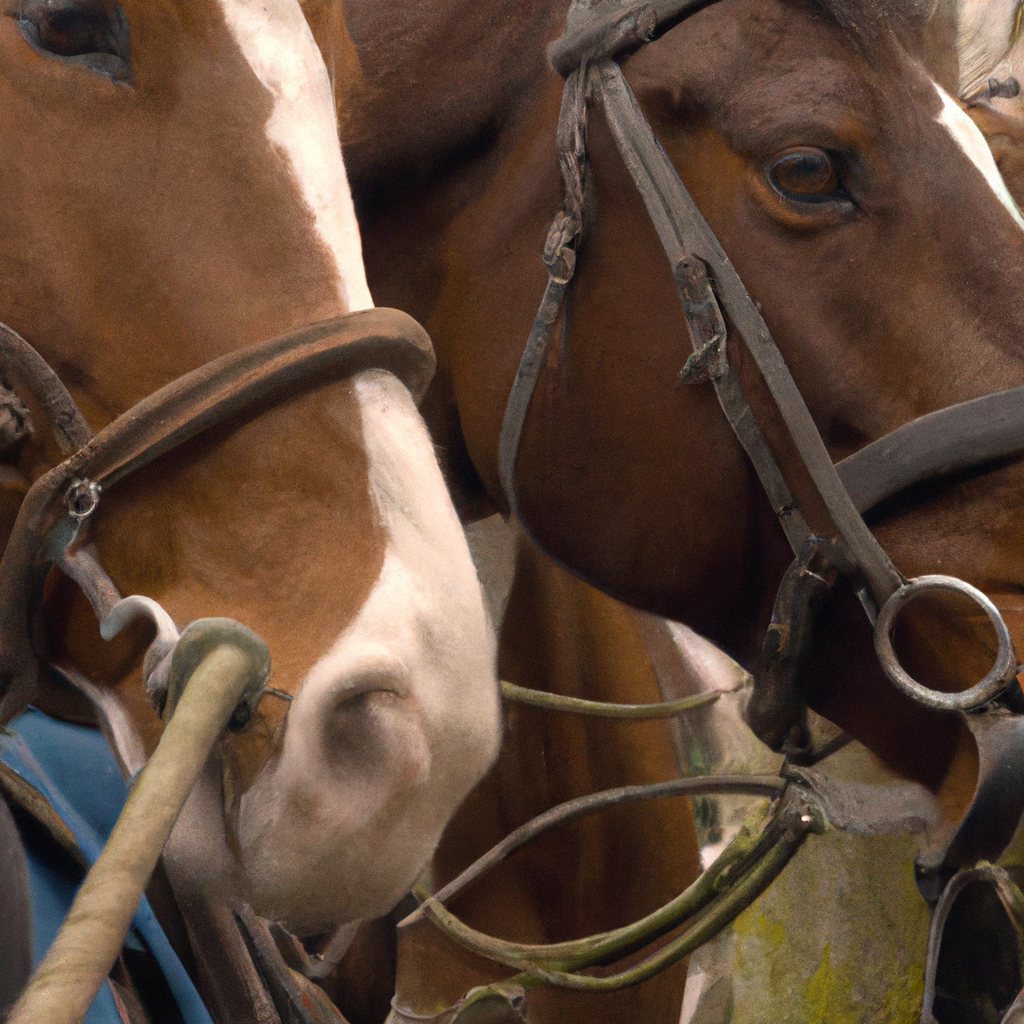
<point>49,521</point>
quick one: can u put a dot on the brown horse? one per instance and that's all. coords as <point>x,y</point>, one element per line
<point>174,192</point>
<point>562,636</point>
<point>842,257</point>
<point>885,265</point>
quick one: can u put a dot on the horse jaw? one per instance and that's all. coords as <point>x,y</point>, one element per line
<point>393,726</point>
<point>276,40</point>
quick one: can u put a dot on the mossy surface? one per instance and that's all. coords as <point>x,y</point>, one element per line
<point>839,938</point>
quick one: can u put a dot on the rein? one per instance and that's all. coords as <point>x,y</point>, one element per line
<point>970,434</point>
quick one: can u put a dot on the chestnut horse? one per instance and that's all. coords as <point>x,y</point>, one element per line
<point>175,192</point>
<point>561,636</point>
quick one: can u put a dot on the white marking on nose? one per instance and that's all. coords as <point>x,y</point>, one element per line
<point>276,41</point>
<point>968,137</point>
<point>342,823</point>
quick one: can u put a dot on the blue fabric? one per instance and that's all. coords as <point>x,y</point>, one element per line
<point>75,770</point>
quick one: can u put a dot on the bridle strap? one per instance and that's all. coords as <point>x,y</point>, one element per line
<point>270,371</point>
<point>267,372</point>
<point>936,445</point>
<point>560,258</point>
<point>703,273</point>
<point>592,36</point>
<point>683,232</point>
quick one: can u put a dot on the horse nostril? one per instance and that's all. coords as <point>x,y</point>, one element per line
<point>358,692</point>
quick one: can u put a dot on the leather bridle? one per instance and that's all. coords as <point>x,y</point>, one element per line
<point>970,434</point>
<point>711,293</point>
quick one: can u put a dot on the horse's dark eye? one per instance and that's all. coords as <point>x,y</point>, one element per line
<point>90,32</point>
<point>806,174</point>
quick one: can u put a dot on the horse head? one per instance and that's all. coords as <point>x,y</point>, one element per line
<point>867,221</point>
<point>175,192</point>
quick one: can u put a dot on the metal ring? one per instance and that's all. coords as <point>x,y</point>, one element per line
<point>1001,672</point>
<point>82,498</point>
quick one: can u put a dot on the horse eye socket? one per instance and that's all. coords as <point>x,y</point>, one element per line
<point>95,31</point>
<point>805,173</point>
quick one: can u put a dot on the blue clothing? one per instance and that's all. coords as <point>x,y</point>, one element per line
<point>74,769</point>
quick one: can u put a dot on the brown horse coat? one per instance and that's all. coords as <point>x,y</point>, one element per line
<point>173,192</point>
<point>883,306</point>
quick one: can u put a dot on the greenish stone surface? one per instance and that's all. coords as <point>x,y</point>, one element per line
<point>839,938</point>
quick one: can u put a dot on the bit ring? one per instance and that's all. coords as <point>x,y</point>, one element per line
<point>999,675</point>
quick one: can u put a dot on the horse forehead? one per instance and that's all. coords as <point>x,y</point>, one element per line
<point>969,138</point>
<point>277,43</point>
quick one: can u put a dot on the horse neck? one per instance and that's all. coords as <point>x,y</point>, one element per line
<point>561,636</point>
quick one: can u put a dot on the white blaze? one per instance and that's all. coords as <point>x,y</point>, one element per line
<point>340,826</point>
<point>276,41</point>
<point>969,138</point>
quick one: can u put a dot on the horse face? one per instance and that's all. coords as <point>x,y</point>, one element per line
<point>836,175</point>
<point>863,214</point>
<point>174,190</point>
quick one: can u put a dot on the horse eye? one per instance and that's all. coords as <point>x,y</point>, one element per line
<point>805,174</point>
<point>93,32</point>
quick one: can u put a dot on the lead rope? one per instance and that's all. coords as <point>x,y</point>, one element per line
<point>220,666</point>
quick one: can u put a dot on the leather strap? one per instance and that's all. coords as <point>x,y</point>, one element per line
<point>560,259</point>
<point>592,33</point>
<point>247,379</point>
<point>680,225</point>
<point>936,445</point>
